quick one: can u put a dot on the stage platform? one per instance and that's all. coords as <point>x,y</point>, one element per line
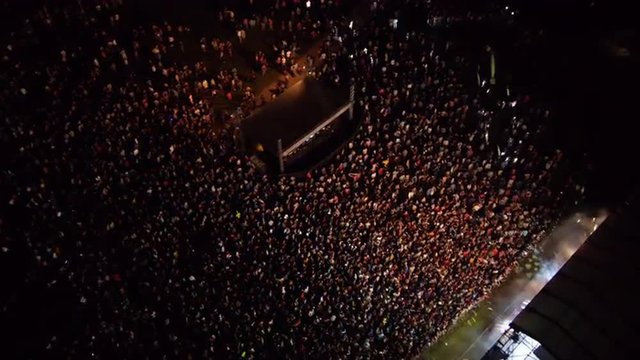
<point>291,116</point>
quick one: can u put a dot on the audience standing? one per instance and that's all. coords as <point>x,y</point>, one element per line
<point>174,245</point>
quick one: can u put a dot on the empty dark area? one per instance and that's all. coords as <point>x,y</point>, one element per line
<point>571,65</point>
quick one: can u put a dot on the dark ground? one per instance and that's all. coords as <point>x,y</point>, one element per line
<point>592,91</point>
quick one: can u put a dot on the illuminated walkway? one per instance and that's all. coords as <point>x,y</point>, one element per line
<point>479,329</point>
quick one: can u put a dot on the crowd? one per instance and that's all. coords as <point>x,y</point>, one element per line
<point>175,246</point>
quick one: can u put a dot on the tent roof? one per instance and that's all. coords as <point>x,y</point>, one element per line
<point>587,310</point>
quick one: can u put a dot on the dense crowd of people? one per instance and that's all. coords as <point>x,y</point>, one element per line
<point>174,245</point>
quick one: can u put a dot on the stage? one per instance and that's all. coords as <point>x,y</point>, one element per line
<point>291,117</point>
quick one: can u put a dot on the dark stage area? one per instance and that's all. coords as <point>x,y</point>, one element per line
<point>291,116</point>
